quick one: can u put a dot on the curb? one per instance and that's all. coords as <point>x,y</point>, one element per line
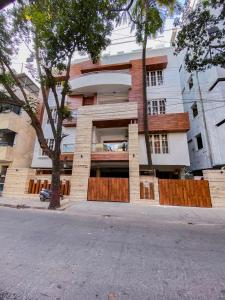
<point>24,206</point>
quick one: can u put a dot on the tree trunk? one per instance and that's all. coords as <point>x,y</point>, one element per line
<point>56,168</point>
<point>145,103</point>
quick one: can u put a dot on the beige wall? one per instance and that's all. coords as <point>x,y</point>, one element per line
<point>216,180</point>
<point>24,140</point>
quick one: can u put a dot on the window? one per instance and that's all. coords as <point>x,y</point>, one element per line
<point>199,141</point>
<point>74,114</point>
<point>154,78</point>
<point>51,143</point>
<point>194,109</point>
<point>4,108</point>
<point>54,115</point>
<point>190,82</point>
<point>157,107</point>
<point>165,148</point>
<point>159,143</point>
<point>68,148</point>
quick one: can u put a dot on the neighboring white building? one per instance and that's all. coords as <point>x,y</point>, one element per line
<point>204,99</point>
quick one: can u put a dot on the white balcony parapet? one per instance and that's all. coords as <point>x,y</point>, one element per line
<point>101,82</point>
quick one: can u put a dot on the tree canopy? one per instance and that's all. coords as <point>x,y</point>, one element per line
<point>53,31</point>
<point>202,36</point>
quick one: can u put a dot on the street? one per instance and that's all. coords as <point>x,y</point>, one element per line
<point>112,251</point>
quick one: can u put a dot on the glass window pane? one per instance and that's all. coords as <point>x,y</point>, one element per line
<point>157,143</point>
<point>162,106</point>
<point>154,107</point>
<point>165,148</point>
<point>153,78</point>
<point>160,77</point>
<point>68,148</point>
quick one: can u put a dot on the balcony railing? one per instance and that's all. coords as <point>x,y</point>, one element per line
<point>110,147</point>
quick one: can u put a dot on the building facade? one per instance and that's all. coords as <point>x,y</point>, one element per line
<point>17,139</point>
<point>204,99</point>
<point>105,138</point>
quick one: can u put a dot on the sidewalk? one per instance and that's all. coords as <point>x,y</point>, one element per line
<point>32,202</point>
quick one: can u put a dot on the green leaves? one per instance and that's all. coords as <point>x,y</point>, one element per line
<point>149,16</point>
<point>202,36</point>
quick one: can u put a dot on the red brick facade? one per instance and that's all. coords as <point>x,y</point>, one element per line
<point>176,122</point>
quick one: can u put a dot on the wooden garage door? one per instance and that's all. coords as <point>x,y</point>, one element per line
<point>108,189</point>
<point>184,192</point>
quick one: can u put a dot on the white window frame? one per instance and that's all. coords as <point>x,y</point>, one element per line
<point>155,78</point>
<point>159,143</point>
<point>157,106</point>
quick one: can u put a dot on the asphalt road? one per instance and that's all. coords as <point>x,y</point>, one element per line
<point>112,252</point>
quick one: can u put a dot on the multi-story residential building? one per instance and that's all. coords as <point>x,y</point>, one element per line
<point>16,135</point>
<point>204,99</point>
<point>106,136</point>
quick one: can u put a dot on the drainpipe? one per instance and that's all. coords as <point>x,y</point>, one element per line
<point>204,121</point>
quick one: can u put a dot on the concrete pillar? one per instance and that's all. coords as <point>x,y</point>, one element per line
<point>82,159</point>
<point>17,181</point>
<point>134,177</point>
<point>216,180</point>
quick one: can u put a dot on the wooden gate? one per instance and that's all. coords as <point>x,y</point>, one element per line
<point>147,190</point>
<point>35,186</point>
<point>108,189</point>
<point>184,192</point>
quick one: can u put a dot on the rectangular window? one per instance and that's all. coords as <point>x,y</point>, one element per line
<point>68,148</point>
<point>51,143</point>
<point>160,77</point>
<point>159,143</point>
<point>54,115</point>
<point>157,107</point>
<point>165,148</point>
<point>194,109</point>
<point>154,78</point>
<point>199,141</point>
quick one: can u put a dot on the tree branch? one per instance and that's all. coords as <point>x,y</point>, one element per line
<point>43,90</point>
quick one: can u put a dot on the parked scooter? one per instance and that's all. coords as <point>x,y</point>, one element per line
<point>45,194</point>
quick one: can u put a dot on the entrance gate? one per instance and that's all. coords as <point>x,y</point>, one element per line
<point>184,192</point>
<point>108,189</point>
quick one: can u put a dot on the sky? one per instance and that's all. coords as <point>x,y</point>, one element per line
<point>122,40</point>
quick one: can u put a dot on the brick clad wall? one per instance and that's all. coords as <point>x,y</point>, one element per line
<point>176,122</point>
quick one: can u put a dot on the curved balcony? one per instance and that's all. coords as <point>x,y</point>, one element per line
<point>101,82</point>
